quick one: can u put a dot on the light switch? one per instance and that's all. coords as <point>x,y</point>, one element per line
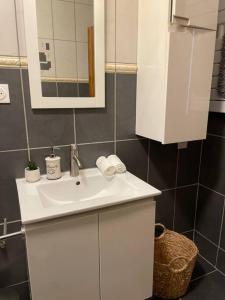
<point>4,94</point>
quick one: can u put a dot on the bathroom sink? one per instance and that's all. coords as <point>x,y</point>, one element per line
<point>48,199</point>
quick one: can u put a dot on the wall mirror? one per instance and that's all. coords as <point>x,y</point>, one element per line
<point>66,53</point>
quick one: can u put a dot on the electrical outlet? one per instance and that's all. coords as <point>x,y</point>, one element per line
<point>4,94</point>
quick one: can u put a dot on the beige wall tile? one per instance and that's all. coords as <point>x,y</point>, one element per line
<point>65,59</point>
<point>126,31</point>
<point>110,30</point>
<point>8,45</point>
<point>63,20</point>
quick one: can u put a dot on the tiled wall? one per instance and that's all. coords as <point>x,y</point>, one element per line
<point>63,26</point>
<point>210,222</point>
<point>28,133</point>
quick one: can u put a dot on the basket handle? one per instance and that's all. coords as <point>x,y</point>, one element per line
<point>163,228</point>
<point>182,268</point>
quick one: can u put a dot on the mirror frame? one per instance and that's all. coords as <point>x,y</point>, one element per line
<point>31,35</point>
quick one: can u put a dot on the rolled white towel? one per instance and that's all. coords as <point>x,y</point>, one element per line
<point>117,163</point>
<point>105,167</point>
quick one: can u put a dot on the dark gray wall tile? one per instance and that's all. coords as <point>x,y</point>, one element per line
<point>209,214</point>
<point>188,165</point>
<point>162,165</point>
<point>67,89</point>
<point>135,156</point>
<point>49,89</point>
<point>213,164</point>
<point>206,248</point>
<point>13,267</point>
<point>89,153</point>
<point>12,121</point>
<point>7,294</point>
<point>222,242</point>
<point>9,202</point>
<point>165,208</point>
<point>97,124</point>
<point>189,234</point>
<point>22,290</point>
<point>125,106</point>
<point>83,89</point>
<point>185,208</point>
<point>47,127</point>
<point>221,261</point>
<point>12,164</point>
<point>216,124</point>
<point>38,155</point>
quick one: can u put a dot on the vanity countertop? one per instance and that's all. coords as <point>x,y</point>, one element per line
<point>48,199</point>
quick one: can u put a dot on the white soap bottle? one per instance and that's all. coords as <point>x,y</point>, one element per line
<point>53,166</point>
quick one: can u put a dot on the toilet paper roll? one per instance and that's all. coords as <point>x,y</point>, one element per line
<point>117,163</point>
<point>105,167</point>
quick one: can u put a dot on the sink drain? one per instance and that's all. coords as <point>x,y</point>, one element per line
<point>77,182</point>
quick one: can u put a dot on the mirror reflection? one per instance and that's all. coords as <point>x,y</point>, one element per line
<point>66,47</point>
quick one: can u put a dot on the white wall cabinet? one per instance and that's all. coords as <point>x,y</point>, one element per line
<point>175,62</point>
<point>106,254</point>
<point>196,13</point>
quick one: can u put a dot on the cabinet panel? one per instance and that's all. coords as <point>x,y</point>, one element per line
<point>197,13</point>
<point>189,84</point>
<point>126,236</point>
<point>63,258</point>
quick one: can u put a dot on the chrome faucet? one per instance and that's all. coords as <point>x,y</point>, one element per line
<point>75,162</point>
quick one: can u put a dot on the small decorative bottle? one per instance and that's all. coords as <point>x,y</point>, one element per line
<point>53,166</point>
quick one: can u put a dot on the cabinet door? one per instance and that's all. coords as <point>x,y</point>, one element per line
<point>63,258</point>
<point>196,13</point>
<point>126,235</point>
<point>189,83</point>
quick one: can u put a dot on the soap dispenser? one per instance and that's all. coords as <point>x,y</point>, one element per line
<point>53,165</point>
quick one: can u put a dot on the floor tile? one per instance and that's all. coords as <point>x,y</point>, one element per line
<point>211,287</point>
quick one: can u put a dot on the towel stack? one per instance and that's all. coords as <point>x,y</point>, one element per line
<point>110,165</point>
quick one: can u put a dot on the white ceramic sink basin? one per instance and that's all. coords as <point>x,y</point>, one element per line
<point>47,199</point>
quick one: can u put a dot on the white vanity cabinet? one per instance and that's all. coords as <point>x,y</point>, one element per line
<point>175,60</point>
<point>63,258</point>
<point>105,254</point>
<point>126,236</point>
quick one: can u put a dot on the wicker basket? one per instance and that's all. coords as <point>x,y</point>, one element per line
<point>175,257</point>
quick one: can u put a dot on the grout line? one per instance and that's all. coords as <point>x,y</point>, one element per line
<point>179,187</point>
<point>206,260</point>
<point>148,160</point>
<point>203,236</point>
<point>221,230</point>
<point>54,50</point>
<point>13,150</point>
<point>48,147</point>
<point>188,231</point>
<point>104,142</point>
<point>15,284</point>
<point>205,275</point>
<point>74,126</point>
<point>115,83</point>
<point>211,264</point>
<point>21,82</point>
<point>216,135</point>
<point>134,139</point>
<point>11,222</point>
<point>176,181</point>
<point>197,192</point>
<point>221,249</point>
<point>211,189</point>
